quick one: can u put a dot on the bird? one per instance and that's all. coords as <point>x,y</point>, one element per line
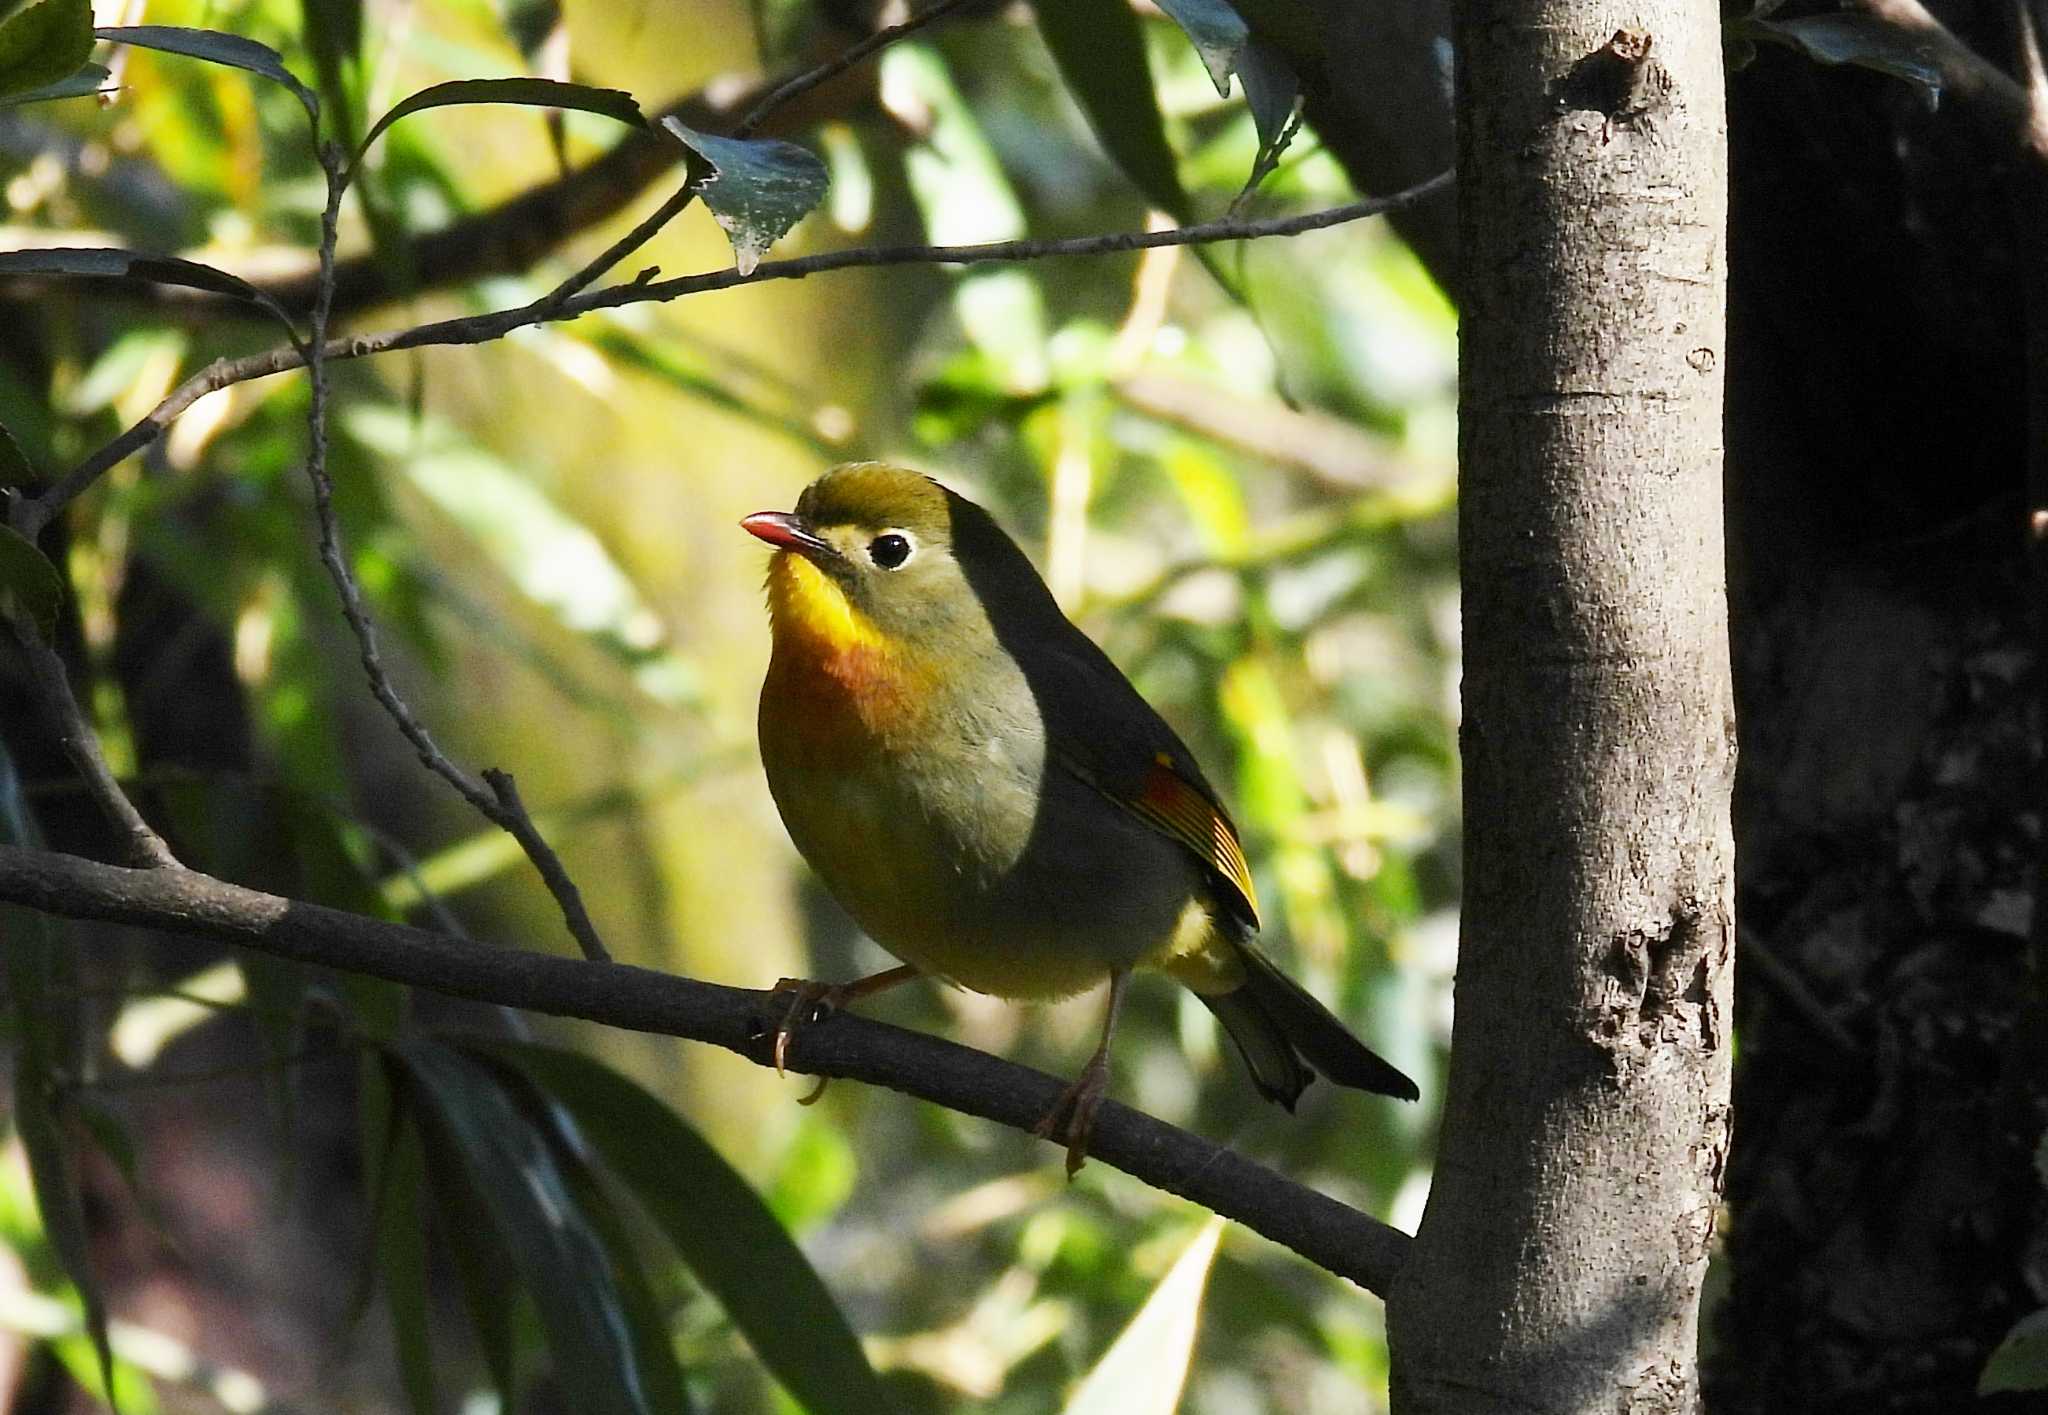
<point>991,799</point>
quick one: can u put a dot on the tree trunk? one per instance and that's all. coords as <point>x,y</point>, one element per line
<point>1558,1266</point>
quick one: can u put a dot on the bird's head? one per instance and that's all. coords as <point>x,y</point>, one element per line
<point>872,557</point>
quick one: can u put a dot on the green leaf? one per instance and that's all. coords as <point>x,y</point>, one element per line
<point>653,1340</point>
<point>1100,50</point>
<point>334,37</point>
<point>44,44</point>
<point>15,468</point>
<point>1144,1370</point>
<point>43,988</point>
<point>531,93</point>
<point>90,78</point>
<point>110,262</point>
<point>29,579</point>
<point>759,187</point>
<point>216,48</point>
<point>401,1240</point>
<point>719,1226</point>
<point>484,1271</point>
<point>1271,89</point>
<point>562,1262</point>
<point>1859,39</point>
<point>2021,1360</point>
<point>1218,32</point>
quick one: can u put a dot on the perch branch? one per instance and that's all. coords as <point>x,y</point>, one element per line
<point>1330,1234</point>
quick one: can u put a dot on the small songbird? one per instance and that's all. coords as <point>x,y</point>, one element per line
<point>991,799</point>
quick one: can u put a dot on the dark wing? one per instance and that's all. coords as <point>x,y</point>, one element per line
<point>1112,739</point>
<point>1105,733</point>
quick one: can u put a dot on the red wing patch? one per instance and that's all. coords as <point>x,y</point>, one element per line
<point>1174,805</point>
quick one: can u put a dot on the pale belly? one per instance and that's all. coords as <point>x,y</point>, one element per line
<point>976,864</point>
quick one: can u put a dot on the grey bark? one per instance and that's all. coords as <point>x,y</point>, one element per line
<point>1558,1265</point>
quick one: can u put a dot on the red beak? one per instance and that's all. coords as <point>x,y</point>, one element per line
<point>786,531</point>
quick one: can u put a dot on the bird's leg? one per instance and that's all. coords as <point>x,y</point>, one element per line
<point>1076,1105</point>
<point>812,1002</point>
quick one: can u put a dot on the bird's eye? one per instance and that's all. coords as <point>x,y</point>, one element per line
<point>889,551</point>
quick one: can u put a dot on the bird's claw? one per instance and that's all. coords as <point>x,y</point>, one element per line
<point>1072,1116</point>
<point>809,1002</point>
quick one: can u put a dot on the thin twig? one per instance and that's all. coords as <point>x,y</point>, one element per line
<point>1784,980</point>
<point>52,685</point>
<point>698,171</point>
<point>1328,1233</point>
<point>481,329</point>
<point>838,64</point>
<point>499,802</point>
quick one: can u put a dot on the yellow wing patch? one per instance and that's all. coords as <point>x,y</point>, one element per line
<point>1173,804</point>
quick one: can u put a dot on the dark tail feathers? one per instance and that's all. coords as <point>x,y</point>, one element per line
<point>1278,1026</point>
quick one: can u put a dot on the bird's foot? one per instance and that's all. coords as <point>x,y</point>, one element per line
<point>808,1002</point>
<point>1072,1116</point>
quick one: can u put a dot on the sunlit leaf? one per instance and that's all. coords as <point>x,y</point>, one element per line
<point>110,263</point>
<point>1100,50</point>
<point>2021,1360</point>
<point>1218,32</point>
<point>1145,1369</point>
<point>216,48</point>
<point>531,93</point>
<point>562,1261</point>
<point>718,1224</point>
<point>29,581</point>
<point>89,79</point>
<point>44,44</point>
<point>555,560</point>
<point>1863,40</point>
<point>759,187</point>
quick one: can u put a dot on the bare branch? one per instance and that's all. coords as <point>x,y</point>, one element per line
<point>500,804</point>
<point>52,686</point>
<point>481,329</point>
<point>1332,1235</point>
<point>838,64</point>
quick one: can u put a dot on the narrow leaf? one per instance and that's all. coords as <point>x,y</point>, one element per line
<point>43,988</point>
<point>216,48</point>
<point>530,93</point>
<point>15,468</point>
<point>562,1261</point>
<point>1859,39</point>
<point>484,1270</point>
<point>653,1341</point>
<point>1271,89</point>
<point>29,579</point>
<point>44,44</point>
<point>1144,1370</point>
<point>2021,1360</point>
<point>90,78</point>
<point>110,262</point>
<point>402,1260</point>
<point>1218,32</point>
<point>719,1226</point>
<point>758,188</point>
<point>1100,50</point>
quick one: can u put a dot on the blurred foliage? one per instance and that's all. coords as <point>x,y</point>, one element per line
<point>1235,471</point>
